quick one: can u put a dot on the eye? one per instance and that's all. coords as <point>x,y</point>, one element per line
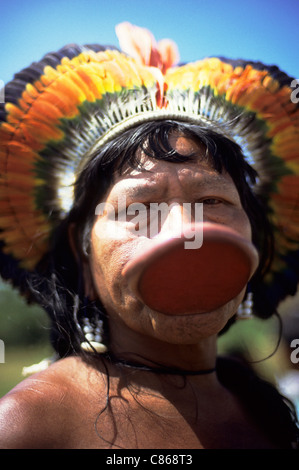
<point>211,201</point>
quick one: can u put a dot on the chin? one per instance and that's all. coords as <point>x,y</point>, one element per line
<point>186,329</point>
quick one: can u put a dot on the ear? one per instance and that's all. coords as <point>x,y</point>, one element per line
<point>83,263</point>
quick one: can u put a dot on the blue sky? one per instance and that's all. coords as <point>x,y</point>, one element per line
<point>257,29</point>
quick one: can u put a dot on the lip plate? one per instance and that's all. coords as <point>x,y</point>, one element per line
<point>174,280</point>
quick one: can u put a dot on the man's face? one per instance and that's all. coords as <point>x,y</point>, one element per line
<point>114,242</point>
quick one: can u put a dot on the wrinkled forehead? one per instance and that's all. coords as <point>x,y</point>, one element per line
<point>185,151</point>
<point>159,178</point>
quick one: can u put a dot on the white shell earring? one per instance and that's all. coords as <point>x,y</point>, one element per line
<point>244,311</point>
<point>93,337</point>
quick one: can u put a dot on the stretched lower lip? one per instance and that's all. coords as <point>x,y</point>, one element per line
<point>174,280</point>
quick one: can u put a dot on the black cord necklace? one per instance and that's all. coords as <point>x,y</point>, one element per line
<point>161,370</point>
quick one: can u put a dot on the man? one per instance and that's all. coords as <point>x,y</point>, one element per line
<point>130,375</point>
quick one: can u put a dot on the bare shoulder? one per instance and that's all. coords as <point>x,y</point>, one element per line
<point>43,409</point>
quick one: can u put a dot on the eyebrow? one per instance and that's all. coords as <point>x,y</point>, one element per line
<point>144,190</point>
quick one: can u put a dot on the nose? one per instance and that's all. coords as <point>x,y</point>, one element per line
<point>179,218</point>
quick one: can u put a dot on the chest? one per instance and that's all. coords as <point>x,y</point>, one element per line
<point>158,424</point>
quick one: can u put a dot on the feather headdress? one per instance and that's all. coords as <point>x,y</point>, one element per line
<point>78,98</point>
